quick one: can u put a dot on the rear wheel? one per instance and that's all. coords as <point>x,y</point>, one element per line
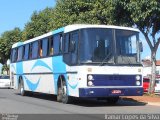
<point>21,88</point>
<point>62,95</point>
<point>59,95</point>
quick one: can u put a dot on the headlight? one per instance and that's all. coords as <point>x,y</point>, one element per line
<point>90,77</point>
<point>90,83</point>
<point>138,83</point>
<point>138,77</point>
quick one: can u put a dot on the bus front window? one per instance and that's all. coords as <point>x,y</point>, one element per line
<point>102,45</point>
<point>96,45</point>
<point>126,47</point>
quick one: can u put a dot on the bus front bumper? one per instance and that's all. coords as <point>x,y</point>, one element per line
<point>110,92</point>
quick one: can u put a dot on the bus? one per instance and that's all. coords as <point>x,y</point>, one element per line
<point>80,60</point>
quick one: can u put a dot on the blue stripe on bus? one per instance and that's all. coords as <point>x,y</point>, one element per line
<point>19,44</point>
<point>58,67</point>
<point>19,65</point>
<point>72,86</point>
<point>19,70</point>
<point>41,63</point>
<point>58,30</point>
<point>32,86</point>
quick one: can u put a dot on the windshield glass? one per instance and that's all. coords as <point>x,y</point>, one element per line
<point>96,45</point>
<point>106,45</point>
<point>126,46</point>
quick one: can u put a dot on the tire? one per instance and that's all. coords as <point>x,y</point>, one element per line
<point>21,88</point>
<point>112,100</point>
<point>59,95</point>
<point>62,95</point>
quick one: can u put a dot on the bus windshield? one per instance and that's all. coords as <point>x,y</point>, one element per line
<point>126,47</point>
<point>96,45</point>
<point>99,45</point>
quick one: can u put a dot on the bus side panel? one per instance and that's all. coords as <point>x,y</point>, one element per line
<point>38,76</point>
<point>16,71</point>
<point>59,68</point>
<point>69,73</point>
<point>73,81</point>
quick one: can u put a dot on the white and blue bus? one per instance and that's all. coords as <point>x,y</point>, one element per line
<point>91,61</point>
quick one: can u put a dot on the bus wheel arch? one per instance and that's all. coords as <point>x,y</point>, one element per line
<point>62,95</point>
<point>20,80</point>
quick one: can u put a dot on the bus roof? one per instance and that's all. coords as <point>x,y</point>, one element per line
<point>70,28</point>
<point>31,40</point>
<point>39,37</point>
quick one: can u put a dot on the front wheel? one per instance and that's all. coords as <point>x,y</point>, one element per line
<point>62,95</point>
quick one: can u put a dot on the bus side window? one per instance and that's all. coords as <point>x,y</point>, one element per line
<point>40,48</point>
<point>34,50</point>
<point>45,47</point>
<point>30,51</point>
<point>51,51</point>
<point>26,52</point>
<point>57,44</point>
<point>14,55</point>
<point>60,46</point>
<point>73,47</point>
<point>20,53</point>
<point>66,43</point>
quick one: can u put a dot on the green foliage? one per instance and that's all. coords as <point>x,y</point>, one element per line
<point>145,15</point>
<point>79,11</point>
<point>7,39</point>
<point>40,23</point>
<point>5,68</point>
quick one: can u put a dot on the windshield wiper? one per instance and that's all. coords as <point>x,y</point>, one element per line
<point>105,59</point>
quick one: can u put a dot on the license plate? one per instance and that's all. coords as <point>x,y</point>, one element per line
<point>116,91</point>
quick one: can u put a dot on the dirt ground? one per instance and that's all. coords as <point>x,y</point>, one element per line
<point>145,98</point>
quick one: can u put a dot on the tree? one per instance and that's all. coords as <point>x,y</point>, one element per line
<point>145,15</point>
<point>40,23</point>
<point>5,68</point>
<point>66,12</point>
<point>7,39</point>
<point>79,11</point>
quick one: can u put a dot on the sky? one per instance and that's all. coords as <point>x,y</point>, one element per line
<point>16,13</point>
<point>146,54</point>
